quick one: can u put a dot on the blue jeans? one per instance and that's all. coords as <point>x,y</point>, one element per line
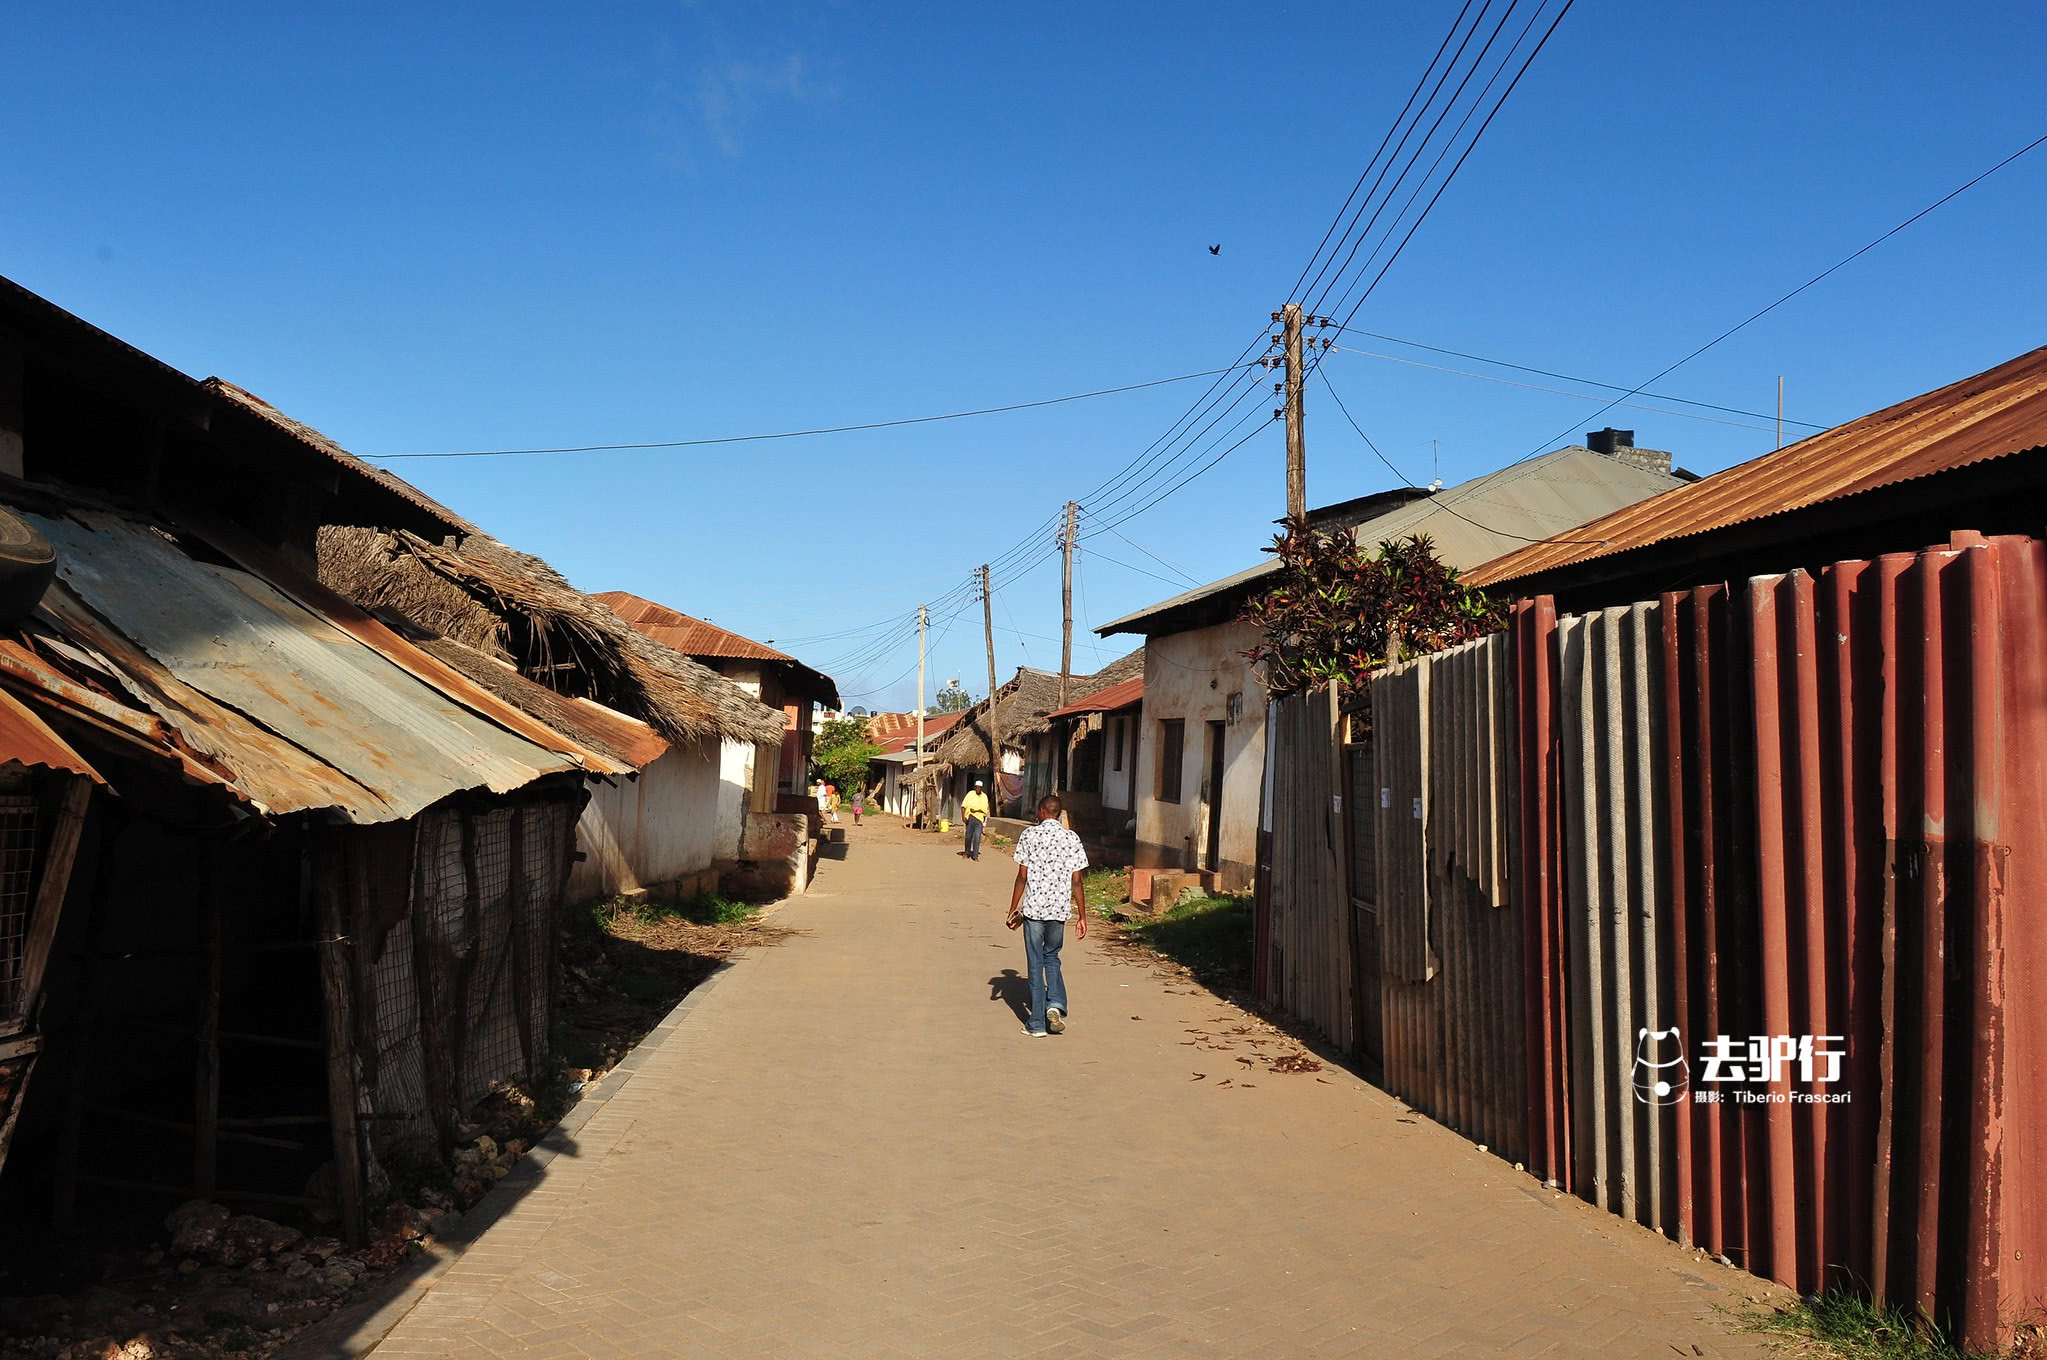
<point>974,837</point>
<point>1041,956</point>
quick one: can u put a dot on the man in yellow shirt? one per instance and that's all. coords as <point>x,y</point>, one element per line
<point>974,808</point>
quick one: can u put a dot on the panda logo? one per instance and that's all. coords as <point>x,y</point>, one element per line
<point>1661,1073</point>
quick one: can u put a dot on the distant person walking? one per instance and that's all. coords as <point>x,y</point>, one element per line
<point>974,808</point>
<point>859,804</point>
<point>831,798</point>
<point>1048,894</point>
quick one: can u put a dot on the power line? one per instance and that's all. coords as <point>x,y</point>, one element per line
<point>1141,571</point>
<point>1188,576</point>
<point>1549,373</point>
<point>1423,79</point>
<point>1469,147</point>
<point>1760,313</point>
<point>804,434</point>
<point>1559,392</point>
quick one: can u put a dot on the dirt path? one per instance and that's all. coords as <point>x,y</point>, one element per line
<point>847,1148</point>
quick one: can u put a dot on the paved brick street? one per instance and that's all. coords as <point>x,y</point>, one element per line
<point>846,1148</point>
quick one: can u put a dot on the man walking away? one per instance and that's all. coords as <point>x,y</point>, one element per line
<point>1049,861</point>
<point>974,808</point>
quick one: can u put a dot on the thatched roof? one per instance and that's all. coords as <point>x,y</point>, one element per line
<point>513,607</point>
<point>1021,706</point>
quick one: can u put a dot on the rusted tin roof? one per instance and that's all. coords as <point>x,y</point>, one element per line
<point>27,740</point>
<point>690,636</point>
<point>1995,414</point>
<point>1104,700</point>
<point>266,696</point>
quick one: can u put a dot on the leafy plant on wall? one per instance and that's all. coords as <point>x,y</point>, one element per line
<point>1338,607</point>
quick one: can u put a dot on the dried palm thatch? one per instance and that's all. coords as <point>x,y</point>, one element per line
<point>1021,706</point>
<point>513,606</point>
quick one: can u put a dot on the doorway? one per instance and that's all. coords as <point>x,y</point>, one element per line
<point>1212,856</point>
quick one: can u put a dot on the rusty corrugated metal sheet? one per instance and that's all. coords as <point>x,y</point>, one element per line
<point>1451,985</point>
<point>1994,414</point>
<point>295,712</point>
<point>26,739</point>
<point>1541,893</point>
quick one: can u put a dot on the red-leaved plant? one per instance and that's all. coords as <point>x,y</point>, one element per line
<point>1338,606</point>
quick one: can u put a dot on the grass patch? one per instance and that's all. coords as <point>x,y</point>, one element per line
<point>1210,936</point>
<point>1106,888</point>
<point>707,909</point>
<point>1841,1325</point>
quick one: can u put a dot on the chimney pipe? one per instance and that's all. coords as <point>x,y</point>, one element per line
<point>1609,439</point>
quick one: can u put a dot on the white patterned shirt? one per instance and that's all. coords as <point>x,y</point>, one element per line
<point>1050,855</point>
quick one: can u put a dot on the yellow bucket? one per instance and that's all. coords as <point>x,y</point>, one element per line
<point>944,825</point>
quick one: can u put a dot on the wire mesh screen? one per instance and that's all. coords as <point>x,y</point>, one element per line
<point>493,1051</point>
<point>548,842</point>
<point>397,1094</point>
<point>17,887</point>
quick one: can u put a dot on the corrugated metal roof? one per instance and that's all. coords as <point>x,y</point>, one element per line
<point>1475,521</point>
<point>26,739</point>
<point>690,636</point>
<point>1996,413</point>
<point>934,725</point>
<point>1105,700</point>
<point>292,712</point>
<point>243,399</point>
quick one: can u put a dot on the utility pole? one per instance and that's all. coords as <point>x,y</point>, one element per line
<point>994,718</point>
<point>917,769</point>
<point>1780,410</point>
<point>1296,439</point>
<point>1066,604</point>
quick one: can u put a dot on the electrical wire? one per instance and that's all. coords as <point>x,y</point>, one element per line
<point>1188,576</point>
<point>804,434</point>
<point>1556,391</point>
<point>1549,373</point>
<point>1762,312</point>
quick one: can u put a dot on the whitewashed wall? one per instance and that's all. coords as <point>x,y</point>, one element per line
<point>654,829</point>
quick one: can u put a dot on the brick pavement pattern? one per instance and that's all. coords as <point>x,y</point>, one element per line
<point>847,1148</point>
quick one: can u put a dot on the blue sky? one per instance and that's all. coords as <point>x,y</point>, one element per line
<point>433,228</point>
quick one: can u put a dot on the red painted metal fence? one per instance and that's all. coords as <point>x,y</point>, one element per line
<point>1849,840</point>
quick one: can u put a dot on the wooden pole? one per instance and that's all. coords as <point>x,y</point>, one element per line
<point>48,903</point>
<point>917,772</point>
<point>336,951</point>
<point>1066,604</point>
<point>994,718</point>
<point>206,1078</point>
<point>1296,440</point>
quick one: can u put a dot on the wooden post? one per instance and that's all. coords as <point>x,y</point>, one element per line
<point>1296,440</point>
<point>1066,604</point>
<point>994,718</point>
<point>55,879</point>
<point>917,807</point>
<point>206,1077</point>
<point>430,988</point>
<point>337,953</point>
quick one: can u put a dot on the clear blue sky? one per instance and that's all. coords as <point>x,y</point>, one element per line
<point>439,227</point>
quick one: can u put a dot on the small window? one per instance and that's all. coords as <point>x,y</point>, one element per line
<point>1116,744</point>
<point>1171,732</point>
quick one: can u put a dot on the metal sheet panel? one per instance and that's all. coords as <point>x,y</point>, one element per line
<point>27,740</point>
<point>1540,891</point>
<point>1614,823</point>
<point>1311,944</point>
<point>231,636</point>
<point>1451,982</point>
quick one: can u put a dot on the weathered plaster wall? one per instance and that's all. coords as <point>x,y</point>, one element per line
<point>736,766</point>
<point>652,830</point>
<point>1193,676</point>
<point>1117,783</point>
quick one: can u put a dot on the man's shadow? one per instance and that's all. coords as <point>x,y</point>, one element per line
<point>1011,986</point>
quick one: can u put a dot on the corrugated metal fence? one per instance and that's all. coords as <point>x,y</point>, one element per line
<point>1310,937</point>
<point>1633,857</point>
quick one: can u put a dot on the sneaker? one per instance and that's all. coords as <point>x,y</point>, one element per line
<point>1055,1020</point>
<point>1030,1033</point>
